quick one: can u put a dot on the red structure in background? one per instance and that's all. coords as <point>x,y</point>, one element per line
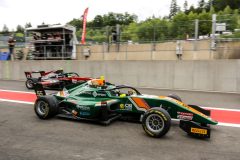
<point>84,26</point>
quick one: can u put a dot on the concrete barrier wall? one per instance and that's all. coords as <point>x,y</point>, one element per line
<point>216,75</point>
<point>191,50</point>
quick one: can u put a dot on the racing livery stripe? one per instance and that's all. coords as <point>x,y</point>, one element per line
<point>141,103</point>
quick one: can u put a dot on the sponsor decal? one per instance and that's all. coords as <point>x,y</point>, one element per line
<point>84,113</point>
<point>83,108</point>
<point>185,115</point>
<point>86,92</point>
<point>95,94</point>
<point>188,107</point>
<point>122,106</point>
<point>198,131</point>
<point>40,93</point>
<point>128,107</point>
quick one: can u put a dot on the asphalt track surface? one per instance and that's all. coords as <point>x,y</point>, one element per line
<point>25,137</point>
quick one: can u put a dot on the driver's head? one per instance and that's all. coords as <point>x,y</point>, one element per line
<point>59,71</point>
<point>130,92</point>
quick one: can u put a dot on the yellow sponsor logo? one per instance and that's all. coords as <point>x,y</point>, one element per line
<point>198,131</point>
<point>122,106</point>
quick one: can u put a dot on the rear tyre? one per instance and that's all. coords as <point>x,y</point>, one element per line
<point>29,83</point>
<point>174,96</point>
<point>156,122</point>
<point>46,107</point>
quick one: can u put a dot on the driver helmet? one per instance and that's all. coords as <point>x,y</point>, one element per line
<point>96,82</point>
<point>59,71</point>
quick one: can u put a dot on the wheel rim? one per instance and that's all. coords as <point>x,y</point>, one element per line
<point>30,83</point>
<point>155,123</point>
<point>42,108</point>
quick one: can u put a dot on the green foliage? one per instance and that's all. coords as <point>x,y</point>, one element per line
<point>5,29</point>
<point>76,22</point>
<point>20,29</point>
<point>178,25</point>
<point>234,35</point>
<point>18,34</point>
<point>173,8</point>
<point>205,25</point>
<point>220,5</point>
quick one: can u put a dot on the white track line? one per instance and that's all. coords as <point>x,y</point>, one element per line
<point>229,124</point>
<point>16,91</point>
<point>223,109</point>
<point>14,101</point>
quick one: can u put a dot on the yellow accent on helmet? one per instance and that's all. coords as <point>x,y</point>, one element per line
<point>122,95</point>
<point>102,78</point>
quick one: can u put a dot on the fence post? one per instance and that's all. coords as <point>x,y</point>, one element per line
<point>213,42</point>
<point>196,34</point>
<point>103,46</point>
<point>214,17</point>
<point>126,53</point>
<point>45,52</point>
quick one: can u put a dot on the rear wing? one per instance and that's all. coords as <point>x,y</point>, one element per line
<point>29,74</point>
<point>39,90</point>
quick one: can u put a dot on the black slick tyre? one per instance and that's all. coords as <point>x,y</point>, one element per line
<point>174,96</point>
<point>29,83</point>
<point>45,107</point>
<point>156,122</point>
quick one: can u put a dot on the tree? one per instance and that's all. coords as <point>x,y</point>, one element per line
<point>191,9</point>
<point>111,19</point>
<point>98,21</point>
<point>185,6</point>
<point>202,4</point>
<point>76,23</point>
<point>219,5</point>
<point>173,8</point>
<point>206,25</point>
<point>180,26</point>
<point>28,25</point>
<point>5,29</point>
<point>19,29</point>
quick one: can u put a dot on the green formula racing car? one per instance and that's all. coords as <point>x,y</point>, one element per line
<point>103,102</point>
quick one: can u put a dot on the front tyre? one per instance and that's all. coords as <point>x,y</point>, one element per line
<point>156,122</point>
<point>46,107</point>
